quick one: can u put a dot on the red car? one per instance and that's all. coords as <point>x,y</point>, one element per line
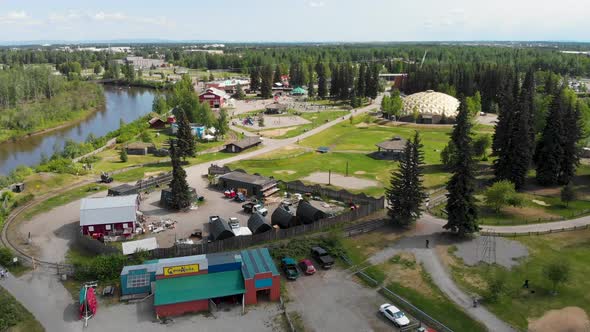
<point>230,193</point>
<point>306,266</point>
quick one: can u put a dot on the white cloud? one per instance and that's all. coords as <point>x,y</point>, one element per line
<point>72,16</point>
<point>316,4</point>
<point>17,17</point>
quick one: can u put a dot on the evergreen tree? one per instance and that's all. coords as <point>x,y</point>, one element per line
<point>181,196</point>
<point>461,208</point>
<point>123,155</point>
<point>503,131</point>
<point>255,79</point>
<point>406,193</point>
<point>311,81</point>
<point>521,143</point>
<point>277,75</point>
<point>266,82</point>
<point>335,82</point>
<point>186,140</point>
<point>159,105</point>
<point>322,80</point>
<point>572,133</point>
<point>222,123</point>
<point>361,83</point>
<point>550,152</point>
<point>239,95</point>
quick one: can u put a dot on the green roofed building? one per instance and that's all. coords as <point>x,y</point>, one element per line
<point>190,284</point>
<point>298,91</point>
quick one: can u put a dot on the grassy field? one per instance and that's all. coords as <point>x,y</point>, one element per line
<point>14,317</point>
<point>353,143</point>
<point>516,305</point>
<point>317,119</point>
<point>405,277</point>
<point>62,199</point>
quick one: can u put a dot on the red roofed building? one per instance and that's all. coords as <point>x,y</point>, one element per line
<point>215,97</point>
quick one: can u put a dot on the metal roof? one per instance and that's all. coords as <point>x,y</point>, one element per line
<point>219,229</point>
<point>247,142</point>
<point>198,287</point>
<point>257,261</point>
<point>257,223</point>
<point>282,218</point>
<point>108,210</point>
<point>130,247</point>
<point>396,143</point>
<point>247,178</point>
<point>431,102</point>
<point>308,213</point>
<point>186,260</point>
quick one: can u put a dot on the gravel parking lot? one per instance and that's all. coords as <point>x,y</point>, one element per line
<point>332,301</point>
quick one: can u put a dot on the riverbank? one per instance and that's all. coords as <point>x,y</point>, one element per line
<point>63,110</point>
<point>141,84</point>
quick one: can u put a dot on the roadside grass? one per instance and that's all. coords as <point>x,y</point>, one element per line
<point>63,198</point>
<point>42,183</point>
<point>517,305</point>
<point>14,317</point>
<point>404,276</point>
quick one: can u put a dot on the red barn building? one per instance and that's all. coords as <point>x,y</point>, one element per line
<point>215,97</point>
<point>114,215</point>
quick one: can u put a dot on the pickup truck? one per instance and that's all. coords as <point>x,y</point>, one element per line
<point>289,267</point>
<point>322,257</point>
<point>252,207</point>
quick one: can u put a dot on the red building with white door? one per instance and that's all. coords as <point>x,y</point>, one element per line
<point>113,215</point>
<point>215,97</point>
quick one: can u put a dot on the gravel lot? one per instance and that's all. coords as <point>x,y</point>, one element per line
<point>332,301</point>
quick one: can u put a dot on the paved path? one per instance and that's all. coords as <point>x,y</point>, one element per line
<point>521,229</point>
<point>440,276</point>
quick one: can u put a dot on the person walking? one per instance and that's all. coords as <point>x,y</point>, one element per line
<point>427,243</point>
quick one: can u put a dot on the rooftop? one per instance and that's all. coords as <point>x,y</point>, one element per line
<point>198,287</point>
<point>130,247</point>
<point>108,210</point>
<point>431,102</point>
<point>247,178</point>
<point>247,142</point>
<point>396,143</point>
<point>257,261</point>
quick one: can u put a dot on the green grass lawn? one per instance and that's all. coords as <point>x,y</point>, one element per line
<point>352,143</point>
<point>517,305</point>
<point>14,317</point>
<point>62,199</point>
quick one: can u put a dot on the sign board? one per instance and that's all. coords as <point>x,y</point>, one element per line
<point>181,269</point>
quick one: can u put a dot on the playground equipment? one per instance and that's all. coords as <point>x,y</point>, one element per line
<point>88,303</point>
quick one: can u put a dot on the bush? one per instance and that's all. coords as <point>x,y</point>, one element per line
<point>104,267</point>
<point>496,286</point>
<point>500,194</point>
<point>5,256</point>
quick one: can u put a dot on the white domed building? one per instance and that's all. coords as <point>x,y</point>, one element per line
<point>430,107</point>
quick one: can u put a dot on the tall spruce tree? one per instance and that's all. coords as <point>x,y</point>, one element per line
<point>361,83</point>
<point>550,152</point>
<point>503,131</point>
<point>277,75</point>
<point>320,69</point>
<point>266,81</point>
<point>186,140</point>
<point>521,144</point>
<point>461,208</point>
<point>406,193</point>
<point>572,133</point>
<point>255,79</point>
<point>310,81</point>
<point>181,197</point>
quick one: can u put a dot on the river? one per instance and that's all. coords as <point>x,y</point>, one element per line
<point>120,103</point>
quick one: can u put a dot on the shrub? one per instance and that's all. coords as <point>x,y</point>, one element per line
<point>103,267</point>
<point>500,194</point>
<point>5,256</point>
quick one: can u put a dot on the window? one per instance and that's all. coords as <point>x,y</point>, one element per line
<point>138,280</point>
<point>91,228</point>
<point>125,225</point>
<point>108,227</point>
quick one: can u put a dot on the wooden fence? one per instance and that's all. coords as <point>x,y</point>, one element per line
<point>241,242</point>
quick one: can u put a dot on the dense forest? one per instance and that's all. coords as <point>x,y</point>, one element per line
<point>32,99</point>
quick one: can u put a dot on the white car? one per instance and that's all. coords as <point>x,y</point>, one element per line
<point>395,315</point>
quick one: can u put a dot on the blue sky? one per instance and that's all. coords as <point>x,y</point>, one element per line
<point>296,20</point>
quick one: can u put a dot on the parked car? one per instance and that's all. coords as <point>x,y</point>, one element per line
<point>395,315</point>
<point>240,197</point>
<point>230,193</point>
<point>252,207</point>
<point>322,257</point>
<point>307,267</point>
<point>289,267</point>
<point>213,218</point>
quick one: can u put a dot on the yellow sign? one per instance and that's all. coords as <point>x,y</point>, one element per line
<point>181,269</point>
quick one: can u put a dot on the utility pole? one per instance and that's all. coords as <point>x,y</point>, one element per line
<point>347,168</point>
<point>329,177</point>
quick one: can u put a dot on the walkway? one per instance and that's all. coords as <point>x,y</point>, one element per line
<point>440,276</point>
<point>521,229</point>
